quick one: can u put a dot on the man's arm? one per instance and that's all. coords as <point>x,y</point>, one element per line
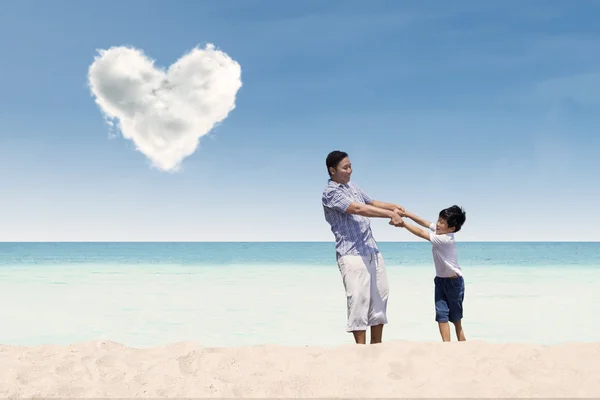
<point>367,210</point>
<point>376,203</point>
<point>386,206</point>
<point>337,200</point>
<point>417,219</point>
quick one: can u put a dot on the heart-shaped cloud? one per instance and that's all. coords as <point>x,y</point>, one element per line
<point>164,112</point>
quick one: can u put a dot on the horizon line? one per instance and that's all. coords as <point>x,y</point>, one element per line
<point>276,242</point>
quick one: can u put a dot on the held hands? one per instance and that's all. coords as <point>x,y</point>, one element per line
<point>396,220</point>
<point>400,211</point>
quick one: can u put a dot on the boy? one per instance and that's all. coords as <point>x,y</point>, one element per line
<point>449,282</point>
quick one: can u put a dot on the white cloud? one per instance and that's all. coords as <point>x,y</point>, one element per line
<point>164,112</point>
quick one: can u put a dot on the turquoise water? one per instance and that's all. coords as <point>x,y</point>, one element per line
<point>232,294</point>
<point>213,254</point>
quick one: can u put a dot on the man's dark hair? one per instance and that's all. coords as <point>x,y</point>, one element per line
<point>334,158</point>
<point>455,216</point>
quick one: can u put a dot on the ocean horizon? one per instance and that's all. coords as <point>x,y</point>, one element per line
<point>145,294</point>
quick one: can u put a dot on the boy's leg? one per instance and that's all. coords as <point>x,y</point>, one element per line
<point>441,308</point>
<point>460,333</point>
<point>456,295</point>
<point>444,331</point>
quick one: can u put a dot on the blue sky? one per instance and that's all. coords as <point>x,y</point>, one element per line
<point>490,105</point>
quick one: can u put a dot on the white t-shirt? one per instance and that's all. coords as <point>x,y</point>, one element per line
<point>444,254</point>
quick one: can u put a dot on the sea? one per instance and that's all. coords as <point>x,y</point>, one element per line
<point>250,294</point>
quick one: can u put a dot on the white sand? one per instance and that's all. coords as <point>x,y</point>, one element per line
<point>395,369</point>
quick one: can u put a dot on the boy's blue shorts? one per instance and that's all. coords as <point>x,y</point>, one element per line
<point>449,296</point>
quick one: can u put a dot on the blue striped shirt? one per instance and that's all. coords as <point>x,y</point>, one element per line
<point>352,233</point>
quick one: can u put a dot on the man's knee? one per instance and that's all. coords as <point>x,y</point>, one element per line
<point>359,301</point>
<point>358,310</point>
<point>359,296</point>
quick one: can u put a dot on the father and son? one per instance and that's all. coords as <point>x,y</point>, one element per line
<point>347,210</point>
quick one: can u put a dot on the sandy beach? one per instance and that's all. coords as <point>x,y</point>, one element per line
<point>396,369</point>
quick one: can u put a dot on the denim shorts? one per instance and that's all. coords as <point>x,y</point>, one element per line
<point>449,296</point>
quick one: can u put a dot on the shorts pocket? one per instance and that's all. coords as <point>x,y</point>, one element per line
<point>344,265</point>
<point>457,283</point>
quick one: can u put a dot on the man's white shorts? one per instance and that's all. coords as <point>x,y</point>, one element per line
<point>365,281</point>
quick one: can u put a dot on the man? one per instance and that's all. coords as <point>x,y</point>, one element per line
<point>347,210</point>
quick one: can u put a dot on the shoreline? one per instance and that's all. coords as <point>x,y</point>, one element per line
<point>395,369</point>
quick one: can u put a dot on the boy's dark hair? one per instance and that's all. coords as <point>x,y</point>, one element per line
<point>455,216</point>
<point>334,158</point>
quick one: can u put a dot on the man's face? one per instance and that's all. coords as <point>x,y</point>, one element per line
<point>342,173</point>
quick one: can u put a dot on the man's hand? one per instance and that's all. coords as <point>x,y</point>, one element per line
<point>397,220</point>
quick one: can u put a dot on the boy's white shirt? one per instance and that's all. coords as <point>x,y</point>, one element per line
<point>444,253</point>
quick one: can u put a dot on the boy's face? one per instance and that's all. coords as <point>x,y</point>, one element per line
<point>441,227</point>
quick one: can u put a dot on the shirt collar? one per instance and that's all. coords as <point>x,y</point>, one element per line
<point>331,182</point>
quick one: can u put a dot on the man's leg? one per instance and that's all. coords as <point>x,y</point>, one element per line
<point>441,308</point>
<point>360,337</point>
<point>357,283</point>
<point>379,297</point>
<point>376,333</point>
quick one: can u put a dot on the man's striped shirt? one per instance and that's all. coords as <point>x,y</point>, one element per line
<point>353,235</point>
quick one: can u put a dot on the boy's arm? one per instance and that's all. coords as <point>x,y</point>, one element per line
<point>415,230</point>
<point>423,222</point>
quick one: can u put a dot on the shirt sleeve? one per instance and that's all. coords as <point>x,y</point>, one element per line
<point>336,200</point>
<point>439,240</point>
<point>366,198</point>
